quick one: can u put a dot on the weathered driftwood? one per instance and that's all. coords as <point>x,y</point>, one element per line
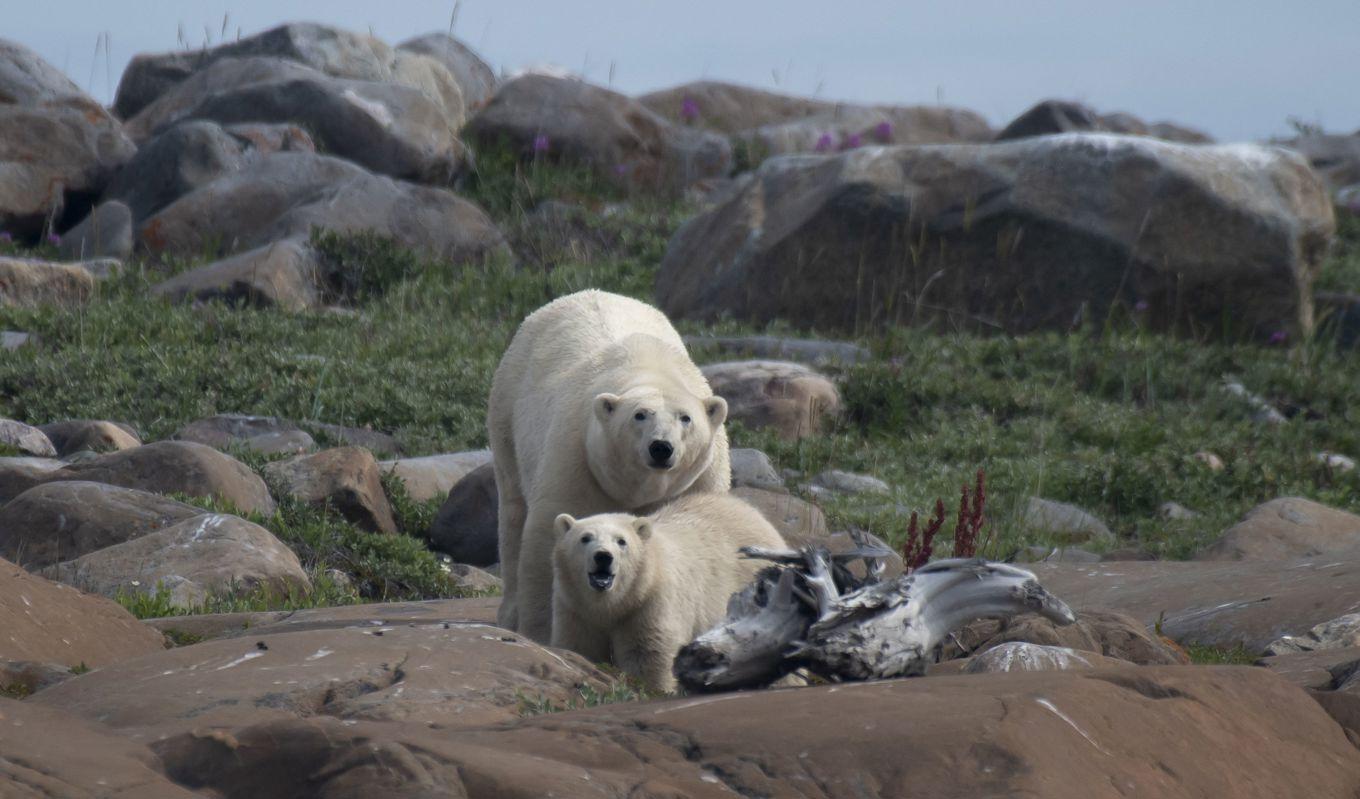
<point>811,612</point>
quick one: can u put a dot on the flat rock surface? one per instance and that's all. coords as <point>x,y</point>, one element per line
<point>458,675</point>
<point>43,621</point>
<point>1148,732</point>
<point>1225,604</point>
<point>1287,527</point>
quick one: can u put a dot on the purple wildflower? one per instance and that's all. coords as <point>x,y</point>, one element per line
<point>541,143</point>
<point>5,236</point>
<point>1141,307</point>
<point>1279,337</point>
<point>850,142</point>
<point>689,109</point>
<point>883,131</point>
<point>824,143</point>
<point>53,239</point>
<point>620,169</point>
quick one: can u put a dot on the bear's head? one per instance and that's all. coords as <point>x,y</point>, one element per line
<point>599,560</point>
<point>651,443</point>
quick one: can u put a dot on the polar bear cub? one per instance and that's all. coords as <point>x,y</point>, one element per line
<point>596,407</point>
<point>633,590</point>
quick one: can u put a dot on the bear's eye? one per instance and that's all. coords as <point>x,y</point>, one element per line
<point>684,419</point>
<point>640,416</point>
<point>586,539</point>
<point>623,544</point>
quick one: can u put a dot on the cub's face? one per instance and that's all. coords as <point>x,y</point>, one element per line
<point>658,431</point>
<point>599,558</point>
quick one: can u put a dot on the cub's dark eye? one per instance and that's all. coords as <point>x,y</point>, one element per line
<point>623,544</point>
<point>684,419</point>
<point>585,539</point>
<point>640,416</point>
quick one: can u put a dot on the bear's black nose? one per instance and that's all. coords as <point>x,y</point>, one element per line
<point>660,451</point>
<point>603,559</point>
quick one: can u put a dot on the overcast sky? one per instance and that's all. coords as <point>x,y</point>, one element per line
<point>1234,68</point>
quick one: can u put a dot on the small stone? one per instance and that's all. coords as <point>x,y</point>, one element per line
<point>26,439</point>
<point>1210,460</point>
<point>751,467</point>
<point>1335,462</point>
<point>1056,555</point>
<point>473,579</point>
<point>850,483</point>
<point>1172,511</point>
<point>14,339</point>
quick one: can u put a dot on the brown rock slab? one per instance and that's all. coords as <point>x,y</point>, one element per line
<point>78,435</point>
<point>1152,732</point>
<point>1222,604</point>
<point>43,621</point>
<point>454,674</point>
<point>49,753</point>
<point>345,478</point>
<point>28,283</point>
<point>212,554</point>
<point>1284,529</point>
<point>53,522</point>
<point>282,274</point>
<point>789,397</point>
<point>1314,670</point>
<point>1112,635</point>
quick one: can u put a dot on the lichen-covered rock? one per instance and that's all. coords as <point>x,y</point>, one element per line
<point>346,479</point>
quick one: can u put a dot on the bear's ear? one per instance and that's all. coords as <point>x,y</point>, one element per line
<point>605,405</point>
<point>563,523</point>
<point>643,528</point>
<point>716,408</point>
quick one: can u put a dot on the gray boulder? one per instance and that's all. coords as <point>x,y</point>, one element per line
<point>286,194</point>
<point>571,121</point>
<point>106,232</point>
<point>1064,522</point>
<point>473,75</point>
<point>26,439</point>
<point>465,527</point>
<point>282,274</point>
<point>27,79</point>
<point>1039,233</point>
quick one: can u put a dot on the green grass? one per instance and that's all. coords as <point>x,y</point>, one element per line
<point>624,690</point>
<point>1202,655</point>
<point>1342,269</point>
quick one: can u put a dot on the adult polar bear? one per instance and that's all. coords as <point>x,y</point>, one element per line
<point>596,407</point>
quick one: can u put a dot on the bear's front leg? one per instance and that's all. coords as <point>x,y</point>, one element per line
<point>534,597</point>
<point>572,631</point>
<point>647,652</point>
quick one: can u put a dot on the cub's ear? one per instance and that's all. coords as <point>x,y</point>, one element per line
<point>605,404</point>
<point>716,408</point>
<point>643,528</point>
<point>563,523</point>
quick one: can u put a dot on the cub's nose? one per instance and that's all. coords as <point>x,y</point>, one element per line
<point>603,559</point>
<point>660,451</point>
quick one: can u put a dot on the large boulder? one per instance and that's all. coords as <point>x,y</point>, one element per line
<point>345,479</point>
<point>473,75</point>
<point>1064,522</point>
<point>283,274</point>
<point>1335,156</point>
<point>204,556</point>
<point>391,129</point>
<point>286,194</point>
<point>78,435</point>
<point>49,753</point>
<point>58,147</point>
<point>465,528</point>
<point>25,439</point>
<point>105,233</point>
<point>1223,604</point>
<point>183,158</point>
<point>328,50</point>
<point>59,521</point>
<point>441,673</point>
<point>1287,528</point>
<point>1155,732</point>
<point>567,120</point>
<point>1049,117</point>
<point>432,476</point>
<point>28,283</point>
<point>1024,235</point>
<point>791,398</point>
<point>165,467</point>
<point>52,623</point>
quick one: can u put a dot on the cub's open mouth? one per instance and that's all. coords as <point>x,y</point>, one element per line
<point>600,581</point>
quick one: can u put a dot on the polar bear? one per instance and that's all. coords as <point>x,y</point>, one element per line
<point>596,407</point>
<point>632,590</point>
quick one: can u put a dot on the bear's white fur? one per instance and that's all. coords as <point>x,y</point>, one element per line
<point>660,580</point>
<point>588,383</point>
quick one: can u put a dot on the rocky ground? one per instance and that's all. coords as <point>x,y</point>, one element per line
<point>247,519</point>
